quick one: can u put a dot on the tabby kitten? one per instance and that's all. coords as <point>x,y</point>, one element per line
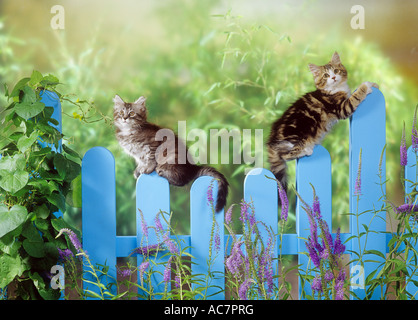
<point>305,123</point>
<point>137,137</point>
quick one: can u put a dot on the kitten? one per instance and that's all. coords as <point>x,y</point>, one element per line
<point>137,137</point>
<point>305,123</point>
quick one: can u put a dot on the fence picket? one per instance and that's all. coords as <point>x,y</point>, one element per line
<point>152,197</point>
<point>367,133</point>
<point>411,173</point>
<point>262,192</point>
<point>312,171</point>
<point>99,212</point>
<point>205,226</point>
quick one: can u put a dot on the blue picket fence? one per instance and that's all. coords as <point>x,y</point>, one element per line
<point>367,133</point>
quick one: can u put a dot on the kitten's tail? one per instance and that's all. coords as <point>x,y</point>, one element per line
<point>278,167</point>
<point>222,185</point>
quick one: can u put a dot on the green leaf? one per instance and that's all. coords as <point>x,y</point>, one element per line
<point>76,191</point>
<point>49,294</point>
<point>24,143</point>
<point>18,87</point>
<point>70,151</point>
<point>9,245</point>
<point>44,187</point>
<point>49,80</point>
<point>375,252</point>
<point>11,219</point>
<point>57,199</point>
<point>13,181</point>
<point>10,267</point>
<point>66,168</point>
<point>34,248</point>
<point>13,163</point>
<point>35,78</point>
<point>29,110</point>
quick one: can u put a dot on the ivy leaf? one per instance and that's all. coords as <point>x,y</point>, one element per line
<point>13,181</point>
<point>24,143</point>
<point>11,219</point>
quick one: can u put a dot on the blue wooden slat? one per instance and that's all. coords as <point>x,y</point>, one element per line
<point>51,99</point>
<point>99,211</point>
<point>152,196</point>
<point>411,173</point>
<point>367,133</point>
<point>315,170</point>
<point>263,193</point>
<point>201,221</point>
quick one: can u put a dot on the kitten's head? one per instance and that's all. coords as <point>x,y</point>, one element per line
<point>126,113</point>
<point>330,77</point>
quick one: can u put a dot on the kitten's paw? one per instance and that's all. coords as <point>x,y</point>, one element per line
<point>370,85</point>
<point>143,170</point>
<point>148,170</point>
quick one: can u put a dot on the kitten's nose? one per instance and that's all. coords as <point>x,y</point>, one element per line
<point>333,78</point>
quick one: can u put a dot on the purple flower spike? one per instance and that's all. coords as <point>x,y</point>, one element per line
<point>414,137</point>
<point>209,194</point>
<point>316,207</point>
<point>406,208</point>
<point>316,284</point>
<point>357,186</point>
<point>284,202</point>
<point>167,270</point>
<point>313,254</point>
<point>142,268</point>
<point>339,248</point>
<point>403,152</point>
<point>73,238</point>
<point>244,288</point>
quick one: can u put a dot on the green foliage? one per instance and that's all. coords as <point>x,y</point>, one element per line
<point>34,184</point>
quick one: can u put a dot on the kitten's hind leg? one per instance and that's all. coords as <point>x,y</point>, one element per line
<point>173,174</point>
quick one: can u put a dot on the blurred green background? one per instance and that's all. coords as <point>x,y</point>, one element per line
<point>216,64</point>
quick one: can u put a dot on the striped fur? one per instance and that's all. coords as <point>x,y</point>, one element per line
<point>306,122</point>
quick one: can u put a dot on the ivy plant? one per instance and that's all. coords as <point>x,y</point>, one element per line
<point>35,181</point>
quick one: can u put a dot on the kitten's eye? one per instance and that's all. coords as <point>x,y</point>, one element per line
<point>326,75</point>
<point>336,71</point>
<point>131,114</point>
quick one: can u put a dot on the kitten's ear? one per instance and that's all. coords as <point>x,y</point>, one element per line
<point>118,101</point>
<point>314,69</point>
<point>141,101</point>
<point>335,58</point>
<point>139,105</point>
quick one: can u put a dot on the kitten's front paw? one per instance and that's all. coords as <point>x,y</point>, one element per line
<point>370,85</point>
<point>143,170</point>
